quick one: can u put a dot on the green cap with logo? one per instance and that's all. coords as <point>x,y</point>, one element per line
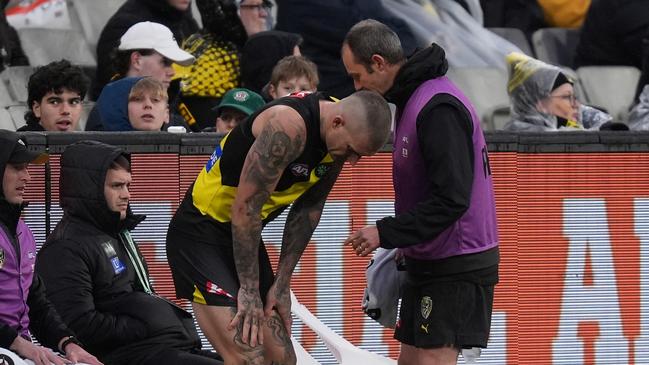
<point>247,101</point>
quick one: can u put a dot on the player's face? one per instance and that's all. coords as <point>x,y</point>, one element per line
<point>116,190</point>
<point>14,181</point>
<point>365,79</point>
<point>344,143</point>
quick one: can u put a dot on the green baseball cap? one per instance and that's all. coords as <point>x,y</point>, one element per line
<point>247,101</point>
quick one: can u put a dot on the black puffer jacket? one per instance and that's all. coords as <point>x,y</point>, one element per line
<point>181,23</point>
<point>90,278</point>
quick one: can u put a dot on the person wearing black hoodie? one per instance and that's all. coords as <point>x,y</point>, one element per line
<point>24,307</point>
<point>97,277</point>
<point>445,223</point>
<point>174,14</point>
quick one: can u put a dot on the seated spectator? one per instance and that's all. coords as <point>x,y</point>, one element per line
<point>565,13</point>
<point>24,306</point>
<point>236,105</point>
<point>543,99</point>
<point>261,53</point>
<point>134,104</point>
<point>293,74</point>
<point>96,276</point>
<point>11,51</point>
<point>174,14</point>
<point>217,47</point>
<point>55,96</point>
<point>146,49</point>
<point>612,33</point>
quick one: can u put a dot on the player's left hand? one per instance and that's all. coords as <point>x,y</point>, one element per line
<point>364,241</point>
<point>279,298</point>
<point>77,354</point>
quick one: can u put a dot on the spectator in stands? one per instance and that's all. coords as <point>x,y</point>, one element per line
<point>543,99</point>
<point>293,74</point>
<point>612,33</point>
<point>323,24</point>
<point>261,53</point>
<point>174,14</point>
<point>520,14</point>
<point>146,49</point>
<point>217,47</point>
<point>96,276</point>
<point>445,223</point>
<point>55,96</point>
<point>565,13</point>
<point>134,104</point>
<point>235,106</point>
<point>11,51</point>
<point>639,116</point>
<point>24,307</point>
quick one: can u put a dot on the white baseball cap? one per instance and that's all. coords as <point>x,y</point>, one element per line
<point>155,36</point>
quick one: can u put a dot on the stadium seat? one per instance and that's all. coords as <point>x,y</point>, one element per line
<point>47,45</point>
<point>6,98</point>
<point>610,87</point>
<point>556,46</point>
<point>485,87</point>
<point>87,107</point>
<point>515,36</point>
<point>15,79</point>
<point>93,16</point>
<point>6,122</point>
<point>17,113</point>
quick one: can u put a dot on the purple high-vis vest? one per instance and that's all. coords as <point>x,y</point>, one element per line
<point>15,280</point>
<point>476,230</point>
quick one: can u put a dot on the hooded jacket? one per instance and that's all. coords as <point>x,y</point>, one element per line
<point>113,105</point>
<point>181,24</point>
<point>93,282</point>
<point>530,81</point>
<point>445,138</point>
<point>23,304</point>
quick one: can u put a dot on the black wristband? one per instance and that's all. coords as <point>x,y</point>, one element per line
<point>69,340</point>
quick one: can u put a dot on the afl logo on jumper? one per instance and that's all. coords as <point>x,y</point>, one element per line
<point>299,169</point>
<point>2,257</point>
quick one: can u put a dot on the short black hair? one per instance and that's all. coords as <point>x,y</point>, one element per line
<point>55,77</point>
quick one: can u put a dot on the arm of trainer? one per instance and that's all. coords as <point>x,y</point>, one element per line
<point>302,220</point>
<point>280,135</point>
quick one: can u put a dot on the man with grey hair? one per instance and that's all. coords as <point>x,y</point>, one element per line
<point>445,223</point>
<point>289,152</point>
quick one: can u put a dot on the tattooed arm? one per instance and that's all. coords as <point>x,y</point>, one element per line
<point>302,220</point>
<point>280,136</point>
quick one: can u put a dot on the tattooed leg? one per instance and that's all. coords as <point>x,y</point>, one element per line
<point>214,324</point>
<point>277,342</point>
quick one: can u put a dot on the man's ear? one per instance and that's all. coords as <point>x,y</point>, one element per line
<point>379,61</point>
<point>135,59</point>
<point>338,121</point>
<point>36,109</point>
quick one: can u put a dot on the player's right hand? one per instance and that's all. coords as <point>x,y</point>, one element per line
<point>249,319</point>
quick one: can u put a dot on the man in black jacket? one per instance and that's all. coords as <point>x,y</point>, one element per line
<point>97,277</point>
<point>24,308</point>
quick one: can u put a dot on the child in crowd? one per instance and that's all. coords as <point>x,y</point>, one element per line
<point>236,105</point>
<point>134,103</point>
<point>293,74</point>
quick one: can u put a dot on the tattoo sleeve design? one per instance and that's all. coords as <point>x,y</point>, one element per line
<point>272,151</point>
<point>302,220</point>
